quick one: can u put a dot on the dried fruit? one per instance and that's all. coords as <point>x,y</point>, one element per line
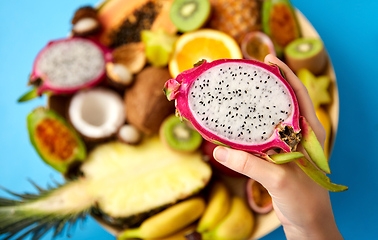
<point>131,55</point>
<point>56,142</point>
<point>246,105</point>
<point>68,65</point>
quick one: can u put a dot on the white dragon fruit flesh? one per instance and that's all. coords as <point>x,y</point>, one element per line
<point>247,105</point>
<point>67,65</point>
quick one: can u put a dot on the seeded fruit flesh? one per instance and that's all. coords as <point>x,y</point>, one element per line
<point>54,139</point>
<point>246,105</point>
<point>67,65</point>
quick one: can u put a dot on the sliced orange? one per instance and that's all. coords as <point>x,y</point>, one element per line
<point>206,44</point>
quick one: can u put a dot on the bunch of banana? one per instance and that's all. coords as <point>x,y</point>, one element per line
<point>167,222</point>
<point>226,217</point>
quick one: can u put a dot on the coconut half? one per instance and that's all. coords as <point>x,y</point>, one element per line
<point>96,113</point>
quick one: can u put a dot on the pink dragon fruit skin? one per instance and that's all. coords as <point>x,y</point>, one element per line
<point>47,85</point>
<point>179,89</point>
<point>208,94</point>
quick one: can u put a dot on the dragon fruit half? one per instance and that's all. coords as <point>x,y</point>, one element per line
<point>67,65</point>
<point>248,105</point>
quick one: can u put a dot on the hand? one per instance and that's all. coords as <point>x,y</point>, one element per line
<point>303,207</point>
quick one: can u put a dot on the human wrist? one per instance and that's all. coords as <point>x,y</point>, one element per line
<point>323,231</point>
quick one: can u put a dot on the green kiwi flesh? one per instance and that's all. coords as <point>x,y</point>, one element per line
<point>179,136</point>
<point>189,15</point>
<point>306,53</point>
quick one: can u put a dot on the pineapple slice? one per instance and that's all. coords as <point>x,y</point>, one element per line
<point>120,181</point>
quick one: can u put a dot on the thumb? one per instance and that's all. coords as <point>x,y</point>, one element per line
<point>250,165</point>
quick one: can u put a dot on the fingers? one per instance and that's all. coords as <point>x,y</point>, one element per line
<point>304,101</point>
<point>248,164</point>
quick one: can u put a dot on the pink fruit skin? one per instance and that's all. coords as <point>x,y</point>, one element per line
<point>186,78</point>
<point>46,85</point>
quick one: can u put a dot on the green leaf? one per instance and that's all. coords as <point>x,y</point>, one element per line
<point>29,95</point>
<point>313,147</point>
<point>319,177</point>
<point>285,157</point>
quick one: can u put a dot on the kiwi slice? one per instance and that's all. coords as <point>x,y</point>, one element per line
<point>306,53</point>
<point>179,136</point>
<point>189,15</point>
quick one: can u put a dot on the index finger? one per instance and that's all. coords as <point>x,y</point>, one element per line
<point>304,101</point>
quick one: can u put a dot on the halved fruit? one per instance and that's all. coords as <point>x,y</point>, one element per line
<point>122,21</point>
<point>55,141</point>
<point>280,23</point>
<point>206,44</point>
<point>125,183</point>
<point>258,197</point>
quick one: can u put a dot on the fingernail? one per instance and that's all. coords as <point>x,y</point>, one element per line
<point>221,154</point>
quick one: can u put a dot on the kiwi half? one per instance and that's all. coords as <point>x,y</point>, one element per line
<point>306,53</point>
<point>189,15</point>
<point>179,136</point>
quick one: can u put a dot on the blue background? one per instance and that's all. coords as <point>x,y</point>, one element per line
<point>349,31</point>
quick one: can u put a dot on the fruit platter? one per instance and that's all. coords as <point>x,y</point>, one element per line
<point>116,126</point>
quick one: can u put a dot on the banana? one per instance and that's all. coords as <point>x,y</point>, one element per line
<point>168,221</point>
<point>217,207</point>
<point>180,235</point>
<point>237,225</point>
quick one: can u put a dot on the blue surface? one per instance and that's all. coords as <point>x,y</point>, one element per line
<point>349,31</point>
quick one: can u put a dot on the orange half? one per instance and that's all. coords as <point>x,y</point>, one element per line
<point>206,44</point>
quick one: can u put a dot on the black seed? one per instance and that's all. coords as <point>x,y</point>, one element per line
<point>264,132</point>
<point>267,107</point>
<point>257,87</point>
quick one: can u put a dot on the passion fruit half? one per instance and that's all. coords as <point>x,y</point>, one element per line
<point>258,197</point>
<point>55,141</point>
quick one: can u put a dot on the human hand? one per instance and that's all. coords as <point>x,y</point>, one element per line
<point>302,206</point>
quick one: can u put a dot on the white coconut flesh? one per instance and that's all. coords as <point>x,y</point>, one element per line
<point>85,25</point>
<point>97,113</point>
<point>129,134</point>
<point>239,102</point>
<point>71,63</point>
